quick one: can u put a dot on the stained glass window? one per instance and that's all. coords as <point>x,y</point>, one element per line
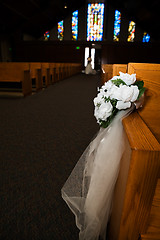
<point>146,37</point>
<point>131,31</point>
<point>95,18</point>
<point>60,30</point>
<point>46,35</point>
<point>117,24</point>
<point>75,25</point>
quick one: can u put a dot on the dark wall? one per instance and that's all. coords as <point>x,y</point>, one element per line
<point>130,52</point>
<point>65,51</point>
<point>51,51</point>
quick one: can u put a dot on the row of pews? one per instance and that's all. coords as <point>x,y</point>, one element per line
<point>136,206</point>
<point>42,73</point>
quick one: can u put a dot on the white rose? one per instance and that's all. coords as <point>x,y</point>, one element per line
<point>99,99</point>
<point>113,91</point>
<point>104,111</point>
<point>135,93</point>
<point>104,91</point>
<point>127,78</point>
<point>108,85</point>
<point>123,105</point>
<point>123,93</point>
<point>126,93</point>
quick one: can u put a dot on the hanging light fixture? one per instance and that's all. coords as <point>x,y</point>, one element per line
<point>65,5</point>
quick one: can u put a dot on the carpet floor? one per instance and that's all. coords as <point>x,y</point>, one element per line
<point>42,136</point>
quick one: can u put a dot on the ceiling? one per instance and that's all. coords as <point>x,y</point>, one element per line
<point>34,17</point>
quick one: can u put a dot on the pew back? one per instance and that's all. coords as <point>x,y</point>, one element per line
<point>12,71</point>
<point>35,71</point>
<point>119,68</point>
<point>140,164</point>
<point>45,68</point>
<point>150,113</point>
<point>17,72</point>
<point>107,72</point>
<point>53,72</point>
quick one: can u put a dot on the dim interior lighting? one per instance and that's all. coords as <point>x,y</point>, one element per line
<point>65,6</point>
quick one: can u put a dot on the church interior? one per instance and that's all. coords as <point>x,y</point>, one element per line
<point>47,113</point>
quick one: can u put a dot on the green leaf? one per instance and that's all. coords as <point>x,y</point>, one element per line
<point>113,102</point>
<point>141,91</point>
<point>139,84</point>
<point>118,81</point>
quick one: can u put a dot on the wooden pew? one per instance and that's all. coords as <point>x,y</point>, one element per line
<point>54,72</point>
<point>119,68</point>
<point>67,70</point>
<point>60,70</point>
<point>138,185</point>
<point>75,68</point>
<point>36,73</point>
<point>150,113</point>
<point>107,72</point>
<point>46,73</point>
<point>17,72</point>
<point>63,70</point>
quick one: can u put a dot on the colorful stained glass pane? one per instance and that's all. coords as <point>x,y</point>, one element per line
<point>146,37</point>
<point>131,31</point>
<point>117,24</point>
<point>60,30</point>
<point>75,25</point>
<point>95,18</point>
<point>46,35</point>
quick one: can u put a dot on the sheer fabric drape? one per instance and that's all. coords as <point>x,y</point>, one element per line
<point>89,189</point>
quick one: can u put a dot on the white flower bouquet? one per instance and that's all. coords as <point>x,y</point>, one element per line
<point>116,94</point>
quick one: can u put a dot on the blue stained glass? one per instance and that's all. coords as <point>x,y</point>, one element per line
<point>95,18</point>
<point>60,30</point>
<point>146,37</point>
<point>75,25</point>
<point>117,24</point>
